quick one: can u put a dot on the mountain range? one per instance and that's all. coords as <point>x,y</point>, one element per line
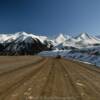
<point>83,40</point>
<point>22,43</point>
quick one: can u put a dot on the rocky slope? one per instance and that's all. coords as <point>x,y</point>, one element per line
<point>22,43</point>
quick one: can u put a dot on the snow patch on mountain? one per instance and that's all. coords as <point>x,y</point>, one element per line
<point>86,39</point>
<point>25,35</point>
<point>5,37</point>
<point>60,39</point>
<point>21,35</point>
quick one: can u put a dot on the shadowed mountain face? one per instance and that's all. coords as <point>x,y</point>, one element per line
<point>23,45</point>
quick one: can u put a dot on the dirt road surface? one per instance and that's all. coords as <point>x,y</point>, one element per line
<point>37,78</point>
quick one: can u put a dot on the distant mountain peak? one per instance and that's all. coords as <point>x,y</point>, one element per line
<point>83,36</point>
<point>21,35</point>
<point>61,38</point>
<point>84,33</point>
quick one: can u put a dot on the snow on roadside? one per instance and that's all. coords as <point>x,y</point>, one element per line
<point>77,56</point>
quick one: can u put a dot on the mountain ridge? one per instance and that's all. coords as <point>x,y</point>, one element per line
<point>82,40</point>
<point>22,43</point>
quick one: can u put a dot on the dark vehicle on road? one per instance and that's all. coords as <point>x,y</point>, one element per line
<point>58,56</point>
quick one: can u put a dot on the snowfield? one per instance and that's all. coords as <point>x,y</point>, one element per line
<point>69,54</point>
<point>84,48</point>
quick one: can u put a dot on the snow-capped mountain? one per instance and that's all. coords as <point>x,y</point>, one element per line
<point>22,43</point>
<point>81,41</point>
<point>87,39</point>
<point>22,35</point>
<point>60,39</point>
<point>7,37</point>
<point>25,43</point>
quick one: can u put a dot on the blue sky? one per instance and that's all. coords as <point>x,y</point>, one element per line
<point>50,17</point>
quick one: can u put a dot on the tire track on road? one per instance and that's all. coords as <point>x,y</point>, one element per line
<point>93,76</point>
<point>84,85</point>
<point>29,83</point>
<point>26,77</point>
<point>22,67</point>
<point>74,91</point>
<point>86,66</point>
<point>47,88</point>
